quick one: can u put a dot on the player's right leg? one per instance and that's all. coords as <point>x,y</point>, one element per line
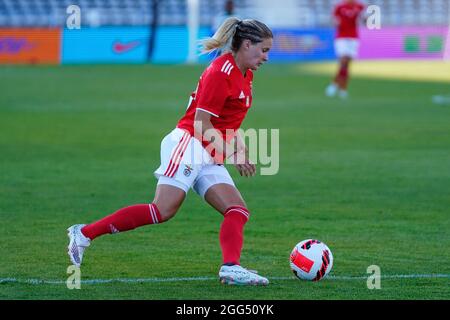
<point>166,203</point>
<point>170,194</point>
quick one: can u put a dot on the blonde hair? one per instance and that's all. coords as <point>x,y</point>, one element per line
<point>233,31</point>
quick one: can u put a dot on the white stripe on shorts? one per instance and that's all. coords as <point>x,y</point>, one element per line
<point>176,153</point>
<point>179,157</point>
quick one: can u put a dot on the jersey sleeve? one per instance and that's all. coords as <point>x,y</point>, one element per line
<point>213,93</point>
<point>336,12</point>
<point>362,7</point>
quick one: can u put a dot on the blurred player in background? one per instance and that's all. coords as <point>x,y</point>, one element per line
<point>228,12</point>
<point>192,155</point>
<point>347,15</point>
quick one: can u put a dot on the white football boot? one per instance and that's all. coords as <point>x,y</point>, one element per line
<point>331,90</point>
<point>77,244</point>
<point>236,275</point>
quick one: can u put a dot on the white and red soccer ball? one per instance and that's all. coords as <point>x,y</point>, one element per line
<point>311,260</point>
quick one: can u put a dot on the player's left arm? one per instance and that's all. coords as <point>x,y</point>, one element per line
<point>241,157</point>
<point>363,15</point>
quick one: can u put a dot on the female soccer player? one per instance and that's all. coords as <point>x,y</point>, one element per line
<point>346,44</point>
<point>192,155</point>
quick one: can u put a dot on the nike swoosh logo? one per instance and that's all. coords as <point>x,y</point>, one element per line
<point>119,47</point>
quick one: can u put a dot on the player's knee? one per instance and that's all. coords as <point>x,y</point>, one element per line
<point>167,211</point>
<point>238,209</point>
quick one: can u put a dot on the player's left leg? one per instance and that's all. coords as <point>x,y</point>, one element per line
<point>215,185</point>
<point>349,53</point>
<point>339,83</point>
<point>341,78</point>
<point>226,199</point>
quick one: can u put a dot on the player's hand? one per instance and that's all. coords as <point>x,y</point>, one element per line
<point>247,169</point>
<point>243,164</point>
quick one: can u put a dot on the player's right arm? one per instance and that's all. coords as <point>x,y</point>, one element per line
<point>211,97</point>
<point>363,15</point>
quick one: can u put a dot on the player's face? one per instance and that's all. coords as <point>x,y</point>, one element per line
<point>258,53</point>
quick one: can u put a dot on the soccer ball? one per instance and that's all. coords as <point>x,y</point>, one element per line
<point>311,260</point>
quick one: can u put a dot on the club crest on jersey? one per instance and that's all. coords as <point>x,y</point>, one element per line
<point>242,95</point>
<point>187,170</point>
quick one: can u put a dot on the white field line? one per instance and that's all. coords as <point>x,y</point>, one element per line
<point>182,279</point>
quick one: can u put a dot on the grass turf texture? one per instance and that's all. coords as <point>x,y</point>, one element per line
<point>370,177</point>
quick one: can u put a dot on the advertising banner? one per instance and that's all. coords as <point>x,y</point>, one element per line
<point>126,44</point>
<point>172,44</point>
<point>403,43</point>
<point>302,45</point>
<point>105,45</point>
<point>30,45</point>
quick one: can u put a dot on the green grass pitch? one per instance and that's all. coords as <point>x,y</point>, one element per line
<point>370,177</point>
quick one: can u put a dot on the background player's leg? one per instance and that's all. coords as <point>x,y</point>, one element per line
<point>341,78</point>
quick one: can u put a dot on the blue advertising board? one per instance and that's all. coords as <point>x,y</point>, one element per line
<point>105,45</point>
<point>172,43</point>
<point>126,44</point>
<point>130,45</point>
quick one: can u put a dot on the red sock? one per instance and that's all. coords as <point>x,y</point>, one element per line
<point>231,234</point>
<point>124,219</point>
<point>342,77</point>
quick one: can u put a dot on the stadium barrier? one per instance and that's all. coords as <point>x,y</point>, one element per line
<point>130,44</point>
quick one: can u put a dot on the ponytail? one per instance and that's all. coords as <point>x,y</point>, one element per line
<point>223,36</point>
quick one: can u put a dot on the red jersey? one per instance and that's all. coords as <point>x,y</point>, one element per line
<point>224,92</point>
<point>348,13</point>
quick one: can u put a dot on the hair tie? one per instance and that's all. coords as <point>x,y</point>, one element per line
<point>236,28</point>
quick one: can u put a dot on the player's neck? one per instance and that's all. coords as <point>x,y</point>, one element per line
<point>239,63</point>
